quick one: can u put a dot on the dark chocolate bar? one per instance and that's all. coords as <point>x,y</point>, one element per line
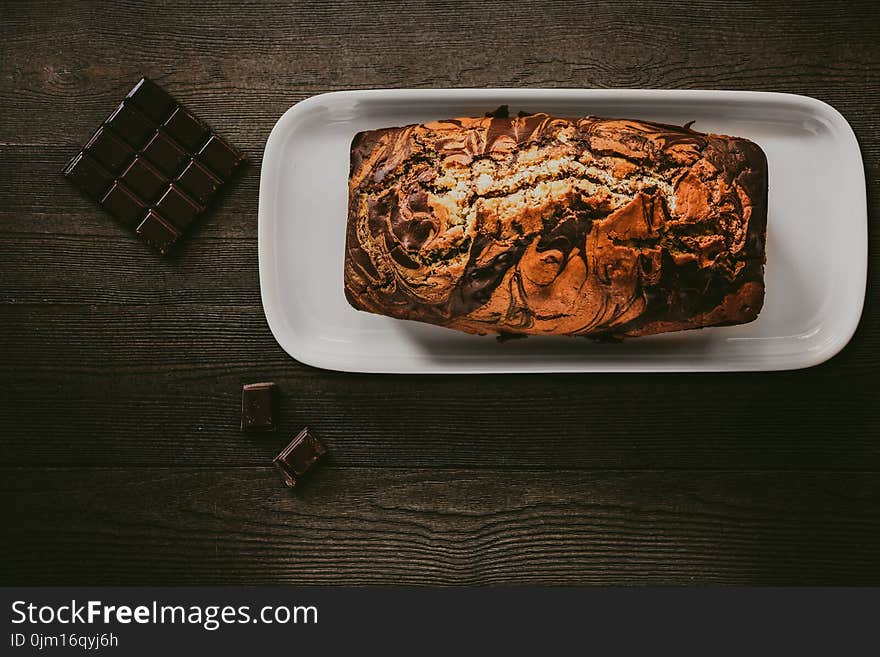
<point>299,456</point>
<point>153,165</point>
<point>258,407</point>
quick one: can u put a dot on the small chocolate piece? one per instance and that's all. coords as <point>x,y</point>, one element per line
<point>143,179</point>
<point>129,124</point>
<point>157,232</point>
<point>258,407</point>
<point>299,456</point>
<point>124,205</point>
<point>177,207</point>
<point>186,129</point>
<point>165,153</point>
<point>220,157</point>
<point>199,182</point>
<point>88,175</point>
<point>142,165</point>
<point>109,150</point>
<point>151,99</point>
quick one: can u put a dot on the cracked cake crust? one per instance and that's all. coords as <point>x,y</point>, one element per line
<point>542,225</point>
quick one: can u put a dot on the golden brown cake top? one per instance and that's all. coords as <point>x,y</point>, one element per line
<point>536,224</point>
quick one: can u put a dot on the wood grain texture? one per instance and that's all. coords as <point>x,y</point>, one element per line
<point>148,406</point>
<point>120,455</point>
<point>448,527</point>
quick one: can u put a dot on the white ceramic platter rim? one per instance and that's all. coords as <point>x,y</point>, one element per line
<point>813,304</point>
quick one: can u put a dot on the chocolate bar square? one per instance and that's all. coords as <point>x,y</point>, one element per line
<point>152,100</point>
<point>124,205</point>
<point>186,129</point>
<point>220,157</point>
<point>109,150</point>
<point>142,165</point>
<point>129,124</point>
<point>143,179</point>
<point>157,232</point>
<point>299,457</point>
<point>164,152</point>
<point>199,182</point>
<point>89,176</point>
<point>258,407</point>
<point>176,204</point>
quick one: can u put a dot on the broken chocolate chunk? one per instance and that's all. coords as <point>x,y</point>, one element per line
<point>299,456</point>
<point>258,407</point>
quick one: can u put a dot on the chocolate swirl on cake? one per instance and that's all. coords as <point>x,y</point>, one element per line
<point>544,225</point>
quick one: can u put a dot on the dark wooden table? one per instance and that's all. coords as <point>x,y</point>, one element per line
<point>122,460</point>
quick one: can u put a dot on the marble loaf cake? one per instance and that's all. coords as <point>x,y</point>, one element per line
<point>542,225</point>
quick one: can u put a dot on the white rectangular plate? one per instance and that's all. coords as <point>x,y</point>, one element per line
<point>816,236</point>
